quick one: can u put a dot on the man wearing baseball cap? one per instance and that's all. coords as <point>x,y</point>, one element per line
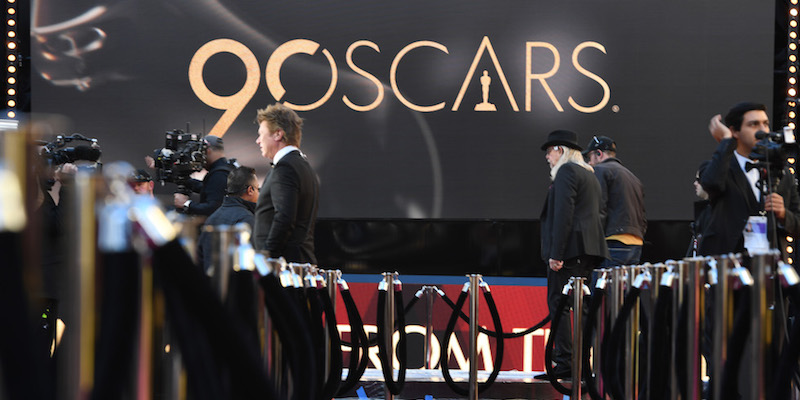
<point>212,187</point>
<point>622,207</point>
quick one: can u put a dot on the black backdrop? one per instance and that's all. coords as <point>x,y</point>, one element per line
<point>119,71</point>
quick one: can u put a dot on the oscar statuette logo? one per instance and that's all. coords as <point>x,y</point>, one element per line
<point>235,103</point>
<point>486,80</point>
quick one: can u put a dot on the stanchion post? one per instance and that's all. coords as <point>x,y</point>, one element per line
<point>577,335</point>
<point>221,263</point>
<point>76,361</point>
<point>679,268</point>
<point>762,269</point>
<point>722,309</point>
<point>694,317</point>
<point>603,321</point>
<point>474,280</point>
<point>388,277</point>
<point>429,293</point>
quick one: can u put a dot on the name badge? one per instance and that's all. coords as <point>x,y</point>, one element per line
<point>755,235</point>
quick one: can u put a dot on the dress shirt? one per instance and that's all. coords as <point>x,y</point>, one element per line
<point>282,152</point>
<point>752,175</point>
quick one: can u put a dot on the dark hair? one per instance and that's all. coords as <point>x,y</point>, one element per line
<point>239,179</point>
<point>736,114</point>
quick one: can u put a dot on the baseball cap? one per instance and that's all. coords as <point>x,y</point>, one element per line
<point>600,143</point>
<point>215,142</point>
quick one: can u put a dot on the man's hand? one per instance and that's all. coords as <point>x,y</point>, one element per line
<point>180,199</point>
<point>718,130</point>
<point>66,171</point>
<point>556,265</point>
<point>774,203</point>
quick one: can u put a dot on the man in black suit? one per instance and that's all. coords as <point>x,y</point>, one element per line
<point>286,212</point>
<point>573,242</point>
<point>732,188</point>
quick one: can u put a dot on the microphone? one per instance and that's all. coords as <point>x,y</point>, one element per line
<point>762,135</point>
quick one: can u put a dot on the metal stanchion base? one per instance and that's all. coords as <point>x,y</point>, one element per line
<point>422,383</point>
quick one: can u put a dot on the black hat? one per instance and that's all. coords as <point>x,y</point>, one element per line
<point>562,138</point>
<point>215,142</point>
<point>600,143</point>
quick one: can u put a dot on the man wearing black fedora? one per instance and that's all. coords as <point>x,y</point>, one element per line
<point>573,243</point>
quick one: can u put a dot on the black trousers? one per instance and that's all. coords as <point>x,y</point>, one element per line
<point>581,266</point>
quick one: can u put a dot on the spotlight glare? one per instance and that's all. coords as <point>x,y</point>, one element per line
<point>12,45</point>
<point>793,24</point>
<point>789,249</point>
<point>792,69</point>
<point>792,46</point>
<point>791,125</point>
<point>11,22</point>
<point>793,35</point>
<point>12,11</point>
<point>789,239</point>
<point>11,92</point>
<point>12,80</point>
<point>12,34</point>
<point>12,57</point>
<point>11,114</point>
<point>789,260</point>
<point>12,103</point>
<point>792,58</point>
<point>792,92</point>
<point>792,114</point>
<point>793,11</point>
<point>792,80</point>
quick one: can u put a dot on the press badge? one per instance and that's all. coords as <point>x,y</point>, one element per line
<point>755,235</point>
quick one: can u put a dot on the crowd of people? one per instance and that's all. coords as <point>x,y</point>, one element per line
<point>594,213</point>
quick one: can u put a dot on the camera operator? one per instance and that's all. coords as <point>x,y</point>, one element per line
<point>212,188</point>
<point>732,186</point>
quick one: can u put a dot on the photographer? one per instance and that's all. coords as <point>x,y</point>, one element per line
<point>732,184</point>
<point>212,188</point>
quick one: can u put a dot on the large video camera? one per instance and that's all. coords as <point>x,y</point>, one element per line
<point>772,151</point>
<point>182,155</point>
<point>69,149</point>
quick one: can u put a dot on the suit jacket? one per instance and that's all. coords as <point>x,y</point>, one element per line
<point>286,212</point>
<point>733,202</point>
<point>571,224</point>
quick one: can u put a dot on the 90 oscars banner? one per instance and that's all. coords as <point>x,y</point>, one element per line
<point>413,109</point>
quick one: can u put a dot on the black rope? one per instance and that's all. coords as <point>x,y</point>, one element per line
<point>498,362</point>
<point>451,324</point>
<point>662,348</point>
<point>736,344</point>
<point>293,333</point>
<point>358,363</point>
<point>374,341</point>
<point>384,355</point>
<point>210,336</point>
<point>317,331</point>
<point>781,383</point>
<point>612,358</point>
<point>334,379</point>
<point>588,334</point>
<point>548,349</point>
<point>493,334</point>
<point>116,340</point>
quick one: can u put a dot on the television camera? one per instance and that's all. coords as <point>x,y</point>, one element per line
<point>182,155</point>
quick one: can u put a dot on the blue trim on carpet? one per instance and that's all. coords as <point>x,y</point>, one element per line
<point>447,280</point>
